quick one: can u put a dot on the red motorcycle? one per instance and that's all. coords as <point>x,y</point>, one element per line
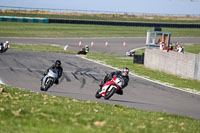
<point>110,87</point>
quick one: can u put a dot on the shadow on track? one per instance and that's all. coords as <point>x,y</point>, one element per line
<point>70,93</point>
<point>124,101</point>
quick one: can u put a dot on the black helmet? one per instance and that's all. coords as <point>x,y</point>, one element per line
<point>125,69</point>
<point>58,62</point>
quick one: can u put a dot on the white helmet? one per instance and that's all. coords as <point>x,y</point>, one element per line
<point>7,42</point>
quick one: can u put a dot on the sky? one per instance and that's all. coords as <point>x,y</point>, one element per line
<point>130,6</point>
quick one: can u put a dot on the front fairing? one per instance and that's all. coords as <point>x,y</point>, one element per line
<point>53,73</point>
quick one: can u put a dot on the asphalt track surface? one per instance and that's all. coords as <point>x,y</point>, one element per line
<point>81,77</point>
<point>115,45</point>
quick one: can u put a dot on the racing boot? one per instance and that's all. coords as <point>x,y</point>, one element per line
<point>56,82</point>
<point>119,92</point>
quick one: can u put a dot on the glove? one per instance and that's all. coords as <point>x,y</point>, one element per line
<point>45,73</point>
<point>101,84</point>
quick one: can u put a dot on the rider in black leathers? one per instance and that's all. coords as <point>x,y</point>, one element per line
<point>1,47</point>
<point>123,73</point>
<point>57,66</point>
<point>4,46</point>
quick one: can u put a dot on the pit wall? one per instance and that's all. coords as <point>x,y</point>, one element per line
<point>186,65</point>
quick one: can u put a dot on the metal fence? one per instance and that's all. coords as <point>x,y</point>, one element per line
<point>28,10</point>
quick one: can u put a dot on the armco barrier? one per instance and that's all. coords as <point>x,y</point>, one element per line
<point>23,19</point>
<point>137,24</point>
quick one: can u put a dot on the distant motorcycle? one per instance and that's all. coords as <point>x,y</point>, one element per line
<point>49,79</point>
<point>4,47</point>
<point>110,87</point>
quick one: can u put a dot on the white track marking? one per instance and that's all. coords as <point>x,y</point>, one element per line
<point>1,82</point>
<point>65,48</point>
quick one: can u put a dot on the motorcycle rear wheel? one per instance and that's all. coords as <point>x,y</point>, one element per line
<point>110,93</point>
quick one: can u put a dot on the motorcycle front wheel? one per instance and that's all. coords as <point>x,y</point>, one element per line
<point>110,93</point>
<point>97,95</point>
<point>42,89</point>
<point>48,85</point>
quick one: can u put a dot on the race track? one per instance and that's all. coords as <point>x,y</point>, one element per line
<point>115,45</point>
<point>81,78</point>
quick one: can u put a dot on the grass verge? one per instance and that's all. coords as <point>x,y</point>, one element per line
<point>194,48</point>
<point>43,48</point>
<point>16,29</point>
<point>28,112</point>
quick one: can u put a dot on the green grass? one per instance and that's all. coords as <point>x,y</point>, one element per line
<point>22,111</point>
<point>43,48</point>
<point>17,29</point>
<point>194,48</point>
<point>140,51</point>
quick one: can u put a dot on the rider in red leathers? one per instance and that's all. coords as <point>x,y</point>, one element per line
<point>123,73</point>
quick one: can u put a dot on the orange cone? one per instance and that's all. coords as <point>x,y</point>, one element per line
<point>79,44</point>
<point>106,44</point>
<point>124,44</point>
<point>92,44</point>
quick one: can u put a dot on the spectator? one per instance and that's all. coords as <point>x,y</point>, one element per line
<point>180,48</point>
<point>161,48</point>
<point>162,44</point>
<point>171,46</point>
<point>177,46</point>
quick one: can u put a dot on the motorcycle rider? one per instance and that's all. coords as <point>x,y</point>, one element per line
<point>1,46</point>
<point>4,46</point>
<point>123,73</point>
<point>86,48</point>
<point>57,66</point>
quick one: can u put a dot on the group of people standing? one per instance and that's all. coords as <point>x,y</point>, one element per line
<point>178,47</point>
